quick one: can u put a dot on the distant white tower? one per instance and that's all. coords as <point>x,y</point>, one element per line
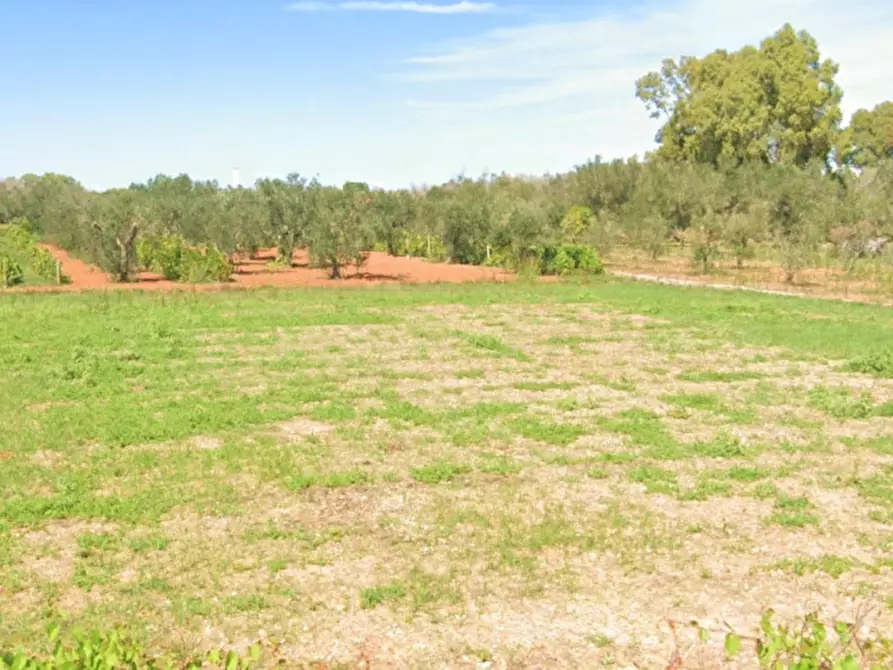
<point>236,179</point>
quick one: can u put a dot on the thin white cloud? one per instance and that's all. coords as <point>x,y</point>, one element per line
<point>460,7</point>
<point>546,95</point>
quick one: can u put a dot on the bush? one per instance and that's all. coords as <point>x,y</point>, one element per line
<point>17,238</point>
<point>10,272</point>
<point>44,265</point>
<point>162,254</point>
<point>175,260</point>
<point>564,259</point>
<point>205,264</point>
<point>422,246</point>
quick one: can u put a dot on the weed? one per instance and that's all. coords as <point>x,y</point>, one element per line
<point>878,363</point>
<point>793,512</point>
<point>656,480</point>
<point>702,376</point>
<point>492,344</point>
<point>834,566</point>
<point>840,403</point>
<point>441,471</point>
<point>559,434</point>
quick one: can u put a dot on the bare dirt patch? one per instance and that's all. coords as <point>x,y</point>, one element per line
<point>380,268</point>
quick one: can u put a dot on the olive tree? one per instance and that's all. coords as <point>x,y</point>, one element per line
<point>341,232</point>
<point>116,219</point>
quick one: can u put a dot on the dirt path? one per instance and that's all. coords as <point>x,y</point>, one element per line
<point>677,281</point>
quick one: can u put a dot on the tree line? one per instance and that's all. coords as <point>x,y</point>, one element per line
<point>752,152</point>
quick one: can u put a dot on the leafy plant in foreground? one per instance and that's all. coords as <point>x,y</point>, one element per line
<point>115,650</point>
<point>808,644</point>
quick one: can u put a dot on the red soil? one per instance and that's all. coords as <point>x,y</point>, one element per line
<point>380,268</point>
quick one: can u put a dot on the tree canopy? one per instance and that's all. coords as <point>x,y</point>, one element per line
<point>869,139</point>
<point>775,103</point>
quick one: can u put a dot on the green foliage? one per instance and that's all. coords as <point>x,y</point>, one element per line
<point>341,231</point>
<point>174,259</point>
<point>115,650</point>
<point>565,259</point>
<point>441,471</point>
<point>162,254</point>
<point>812,645</point>
<point>578,221</point>
<point>15,236</point>
<point>869,139</point>
<point>421,246</point>
<point>776,102</point>
<point>841,403</point>
<point>10,272</point>
<point>25,260</point>
<point>878,363</point>
<point>44,265</point>
<point>205,263</point>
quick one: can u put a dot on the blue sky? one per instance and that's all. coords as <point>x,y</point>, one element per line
<point>390,92</point>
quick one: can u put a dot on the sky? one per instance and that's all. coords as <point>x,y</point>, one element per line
<point>390,92</point>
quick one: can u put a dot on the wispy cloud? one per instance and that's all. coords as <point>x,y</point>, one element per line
<point>460,7</point>
<point>548,94</point>
<point>597,60</point>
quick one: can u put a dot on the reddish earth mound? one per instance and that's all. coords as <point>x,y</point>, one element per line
<point>253,272</point>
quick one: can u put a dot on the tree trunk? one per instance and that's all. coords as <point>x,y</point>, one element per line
<point>336,269</point>
<point>125,249</point>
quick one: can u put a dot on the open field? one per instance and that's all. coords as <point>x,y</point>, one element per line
<point>466,476</point>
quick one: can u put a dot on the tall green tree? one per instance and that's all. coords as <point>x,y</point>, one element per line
<point>778,102</point>
<point>869,139</point>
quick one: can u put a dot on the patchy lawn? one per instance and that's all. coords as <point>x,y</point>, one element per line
<point>442,476</point>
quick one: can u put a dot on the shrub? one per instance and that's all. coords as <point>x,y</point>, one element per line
<point>578,220</point>
<point>44,265</point>
<point>10,271</point>
<point>16,238</point>
<point>423,246</point>
<point>205,264</point>
<point>568,258</point>
<point>585,259</point>
<point>175,260</point>
<point>162,254</point>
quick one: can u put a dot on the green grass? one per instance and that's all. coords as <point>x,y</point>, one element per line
<point>492,344</point>
<point>441,471</point>
<point>793,512</point>
<point>279,459</point>
<point>547,431</point>
<point>834,566</point>
<point>703,376</point>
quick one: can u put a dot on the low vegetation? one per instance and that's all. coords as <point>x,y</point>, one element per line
<point>601,456</point>
<point>22,261</point>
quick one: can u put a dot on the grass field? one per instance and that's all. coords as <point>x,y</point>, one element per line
<point>442,476</point>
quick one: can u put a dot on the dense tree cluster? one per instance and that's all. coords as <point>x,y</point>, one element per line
<point>752,151</point>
